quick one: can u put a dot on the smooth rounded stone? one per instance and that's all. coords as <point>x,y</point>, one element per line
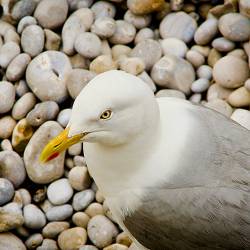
<point>77,4</point>
<point>79,160</point>
<point>82,199</point>
<point>72,239</point>
<point>195,98</point>
<point>39,195</point>
<point>108,212</point>
<point>118,51</point>
<point>104,27</point>
<point>10,241</point>
<point>23,106</point>
<point>170,93</point>
<point>124,33</point>
<point>79,62</point>
<point>239,98</point>
<point>141,8</point>
<point>64,116</point>
<point>204,50</point>
<point>235,27</point>
<point>59,192</point>
<point>200,85</point>
<point>21,135</point>
<point>7,124</point>
<point>11,36</point>
<point>173,72</point>
<point>46,205</point>
<point>88,45</point>
<point>94,209</point>
<point>139,21</point>
<point>174,46</point>
<point>147,79</point>
<point>7,96</point>
<point>22,9</point>
<point>51,14</point>
<point>102,64</point>
<point>80,219</point>
<point>106,49</point>
<point>206,31</point>
<point>240,53</point>
<point>99,197</point>
<point>34,241</point>
<point>195,58</point>
<point>222,44</point>
<point>149,51</point>
<point>144,34</point>
<point>220,106</point>
<point>247,86</point>
<point>42,112</point>
<point>103,9</point>
<point>123,238</point>
<point>242,116</point>
<point>216,91</point>
<point>78,22</point>
<point>12,167</point>
<point>49,70</point>
<point>132,65</point>
<point>230,72</point>
<point>22,231</point>
<point>8,52</point>
<point>34,218</point>
<point>43,172</point>
<point>77,80</point>
<point>6,145</point>
<point>204,71</point>
<point>116,246</point>
<point>24,22</point>
<point>17,67</point>
<point>48,244</point>
<point>59,213</point>
<point>244,6</point>
<point>213,57</point>
<point>6,191</point>
<point>22,197</point>
<point>69,164</point>
<point>52,40</point>
<point>179,25</point>
<point>75,149</point>
<point>52,229</point>
<point>21,88</point>
<point>101,231</point>
<point>88,247</point>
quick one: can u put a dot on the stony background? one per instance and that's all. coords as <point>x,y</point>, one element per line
<point>49,50</point>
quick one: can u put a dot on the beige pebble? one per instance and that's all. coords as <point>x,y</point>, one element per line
<point>220,106</point>
<point>195,58</point>
<point>11,36</point>
<point>144,34</point>
<point>7,53</point>
<point>140,8</point>
<point>78,61</point>
<point>104,27</point>
<point>120,50</point>
<point>22,197</point>
<point>7,96</point>
<point>247,84</point>
<point>174,46</point>
<point>213,57</point>
<point>6,145</point>
<point>242,116</point>
<point>52,40</point>
<point>139,21</point>
<point>102,64</point>
<point>116,246</point>
<point>7,124</point>
<point>222,44</point>
<point>94,209</point>
<point>103,9</point>
<point>52,229</point>
<point>48,244</point>
<point>216,91</point>
<point>99,197</point>
<point>75,149</point>
<point>204,50</point>
<point>123,238</point>
<point>105,48</point>
<point>132,65</point>
<point>244,6</point>
<point>10,241</point>
<point>34,241</point>
<point>80,219</point>
<point>240,53</point>
<point>24,22</point>
<point>79,178</point>
<point>239,98</point>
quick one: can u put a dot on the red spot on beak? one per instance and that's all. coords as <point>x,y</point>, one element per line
<point>53,156</point>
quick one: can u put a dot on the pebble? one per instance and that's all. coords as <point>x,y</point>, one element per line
<point>34,241</point>
<point>149,51</point>
<point>79,178</point>
<point>216,91</point>
<point>139,21</point>
<point>206,31</point>
<point>42,112</point>
<point>59,213</point>
<point>75,149</point>
<point>141,8</point>
<point>239,98</point>
<point>6,145</point>
<point>220,106</point>
<point>72,239</point>
<point>17,67</point>
<point>230,72</point>
<point>179,25</point>
<point>123,238</point>
<point>88,45</point>
<point>119,51</point>
<point>82,199</point>
<point>78,22</point>
<point>240,53</point>
<point>7,124</point>
<point>213,57</point>
<point>144,34</point>
<point>48,244</point>
<point>244,6</point>
<point>59,192</point>
<point>147,79</point>
<point>12,167</point>
<point>10,241</point>
<point>34,218</point>
<point>64,116</point>
<point>77,4</point>
<point>94,209</point>
<point>52,229</point>
<point>102,64</point>
<point>132,65</point>
<point>116,246</point>
<point>23,106</point>
<point>22,197</point>
<point>43,172</point>
<point>200,85</point>
<point>11,36</point>
<point>88,247</point>
<point>101,231</point>
<point>103,9</point>
<point>22,9</point>
<point>8,52</point>
<point>52,40</point>
<point>204,50</point>
<point>170,93</point>
<point>204,71</point>
<point>195,98</point>
<point>24,22</point>
<point>51,14</point>
<point>78,61</point>
<point>80,219</point>
<point>7,96</point>
<point>235,27</point>
<point>6,191</point>
<point>174,46</point>
<point>104,27</point>
<point>173,72</point>
<point>247,85</point>
<point>21,88</point>
<point>46,205</point>
<point>49,70</point>
<point>195,58</point>
<point>79,160</point>
<point>242,116</point>
<point>222,44</point>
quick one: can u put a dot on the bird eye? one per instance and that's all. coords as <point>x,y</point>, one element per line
<point>106,114</point>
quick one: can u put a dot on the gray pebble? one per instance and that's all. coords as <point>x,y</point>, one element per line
<point>104,27</point>
<point>139,21</point>
<point>200,85</point>
<point>59,213</point>
<point>7,124</point>
<point>77,4</point>
<point>23,8</point>
<point>34,241</point>
<point>7,96</point>
<point>103,9</point>
<point>147,79</point>
<point>144,34</point>
<point>64,116</point>
<point>222,44</point>
<point>82,199</point>
<point>10,241</point>
<point>8,52</point>
<point>24,22</point>
<point>6,191</point>
<point>21,88</point>
<point>11,36</point>
<point>204,71</point>
<point>174,46</point>
<point>34,218</point>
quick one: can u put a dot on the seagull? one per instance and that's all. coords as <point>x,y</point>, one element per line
<point>176,175</point>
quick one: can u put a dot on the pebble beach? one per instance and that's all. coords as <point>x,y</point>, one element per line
<point>197,50</point>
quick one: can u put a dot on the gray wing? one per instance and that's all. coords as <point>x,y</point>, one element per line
<point>209,207</point>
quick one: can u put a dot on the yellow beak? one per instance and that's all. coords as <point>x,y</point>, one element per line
<point>58,145</point>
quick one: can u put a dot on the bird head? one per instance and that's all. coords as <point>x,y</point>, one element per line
<point>112,109</point>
